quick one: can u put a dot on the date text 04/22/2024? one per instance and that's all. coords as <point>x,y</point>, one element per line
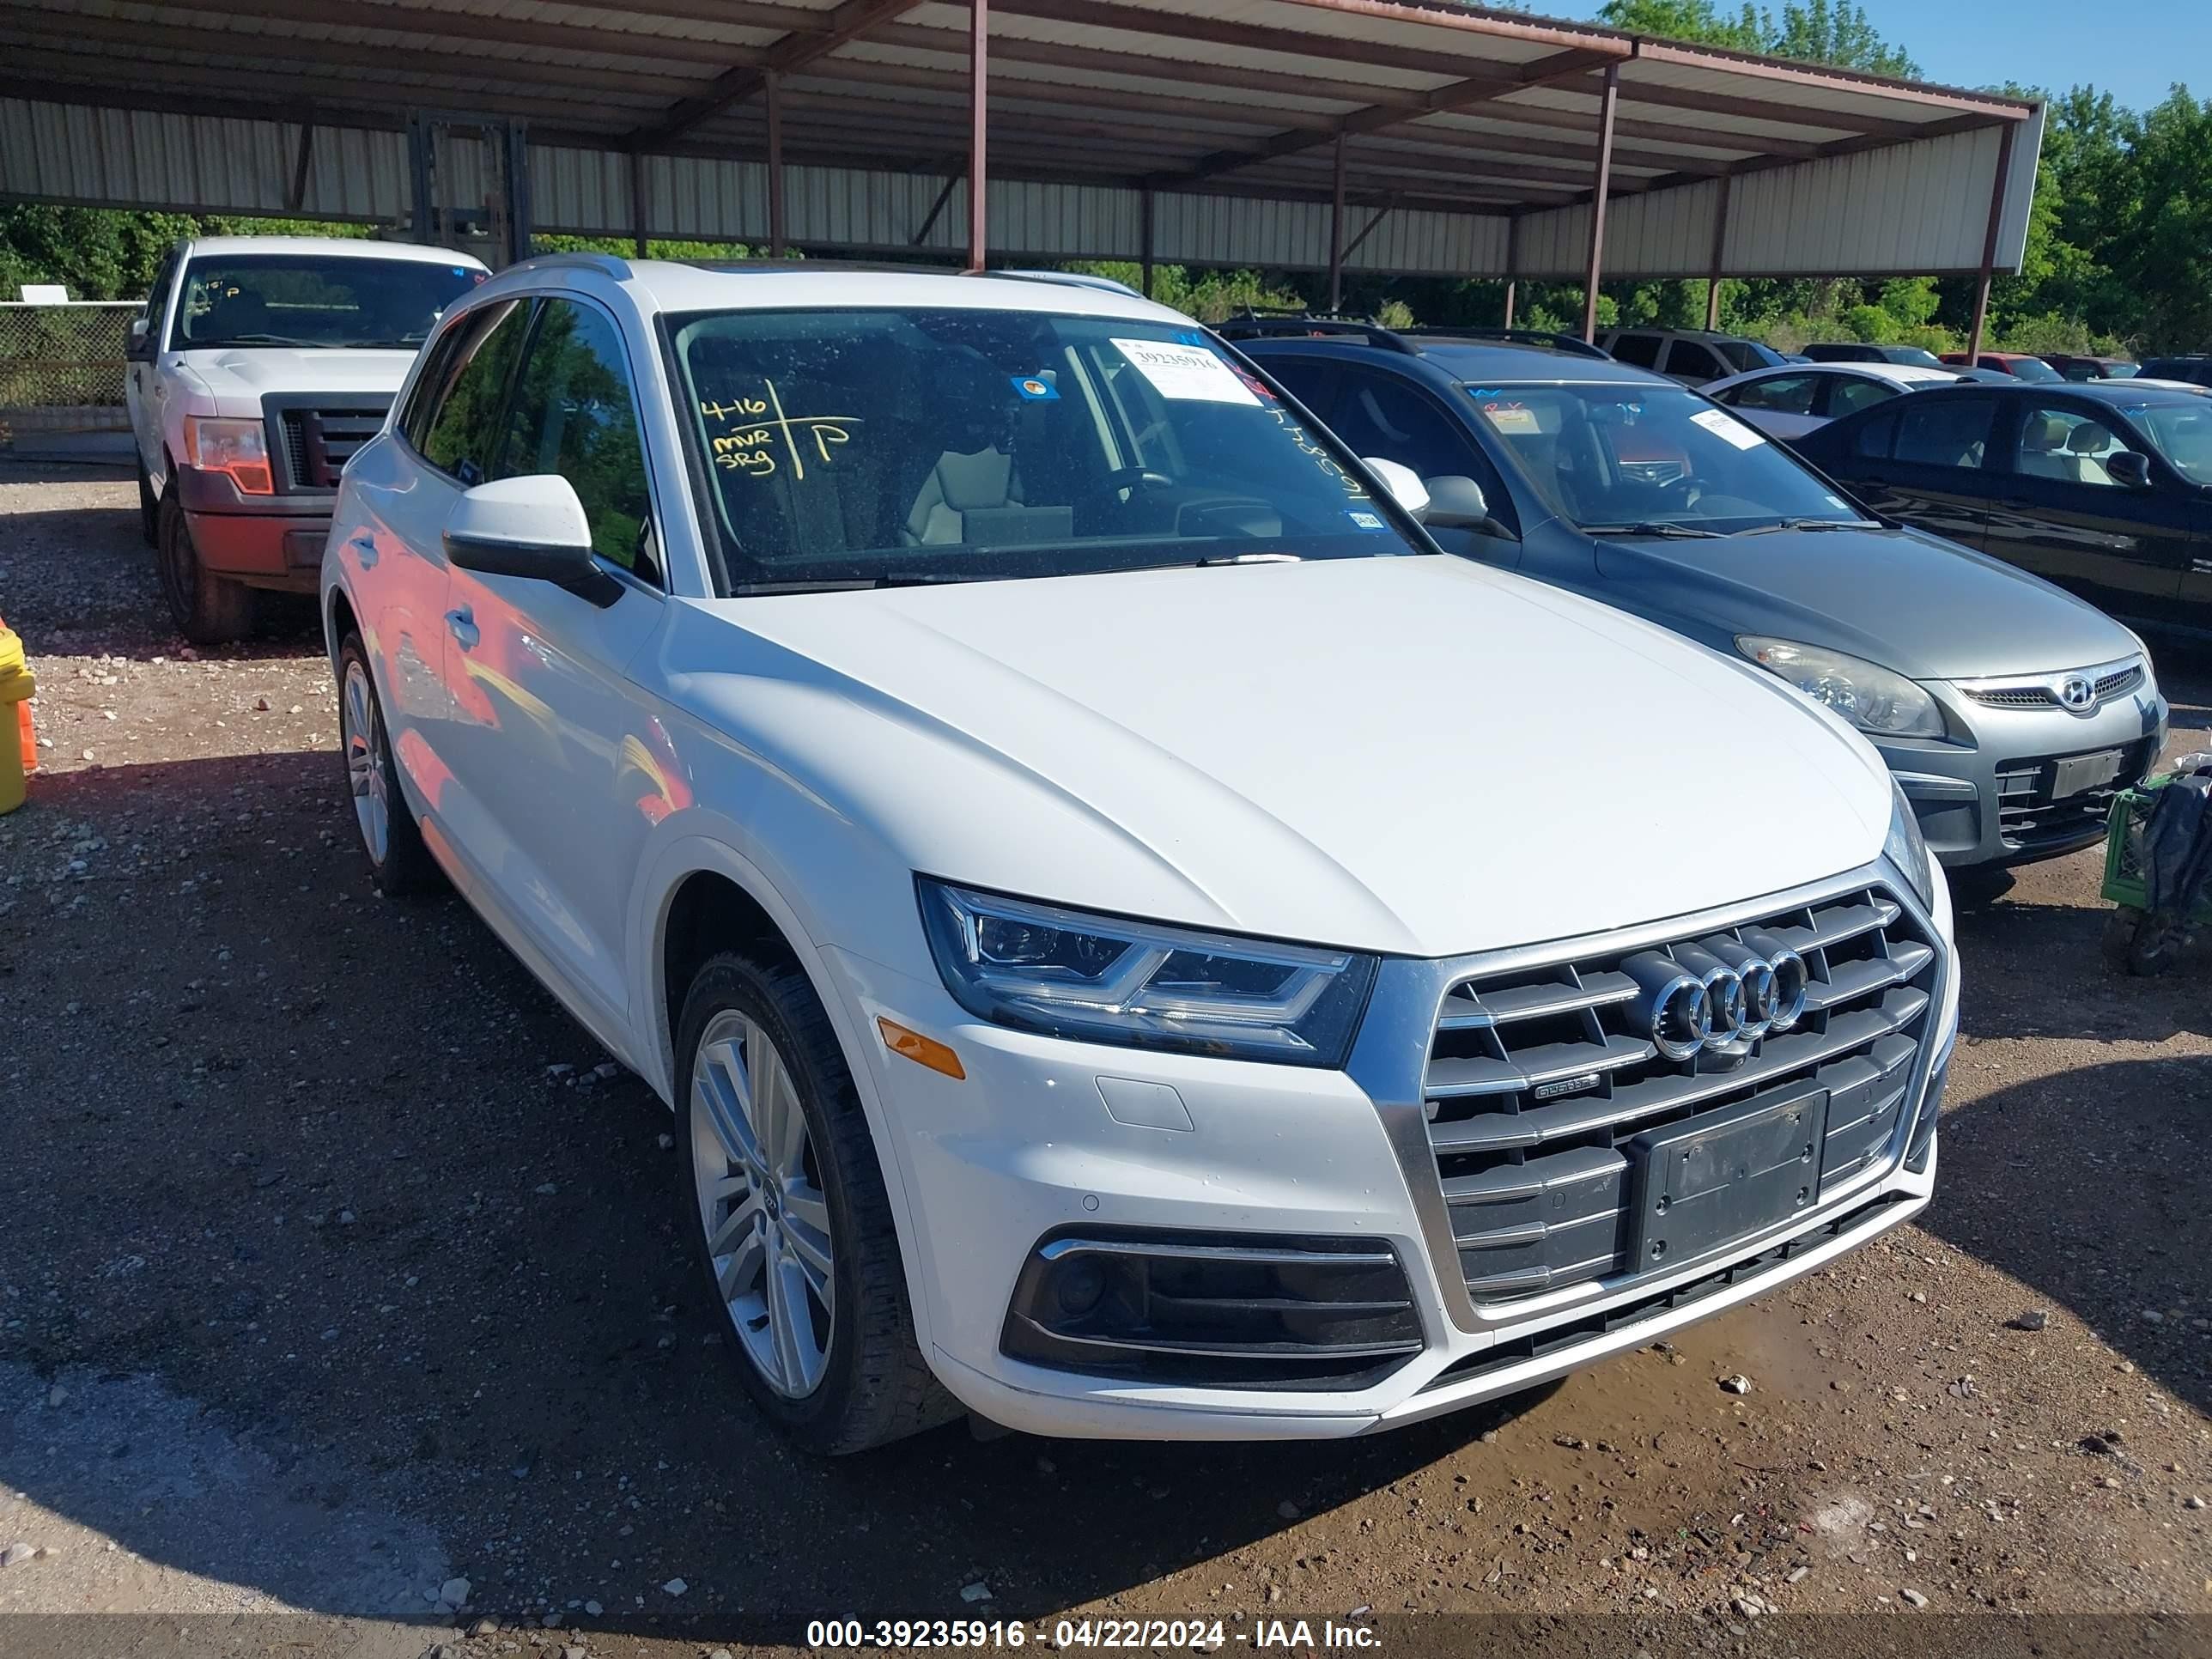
<point>1157,1635</point>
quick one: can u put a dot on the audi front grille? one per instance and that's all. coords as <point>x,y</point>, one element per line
<point>1546,1082</point>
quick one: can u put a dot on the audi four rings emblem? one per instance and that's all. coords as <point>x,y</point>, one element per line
<point>2078,691</point>
<point>1718,994</point>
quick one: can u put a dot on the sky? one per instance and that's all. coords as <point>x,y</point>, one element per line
<point>2134,51</point>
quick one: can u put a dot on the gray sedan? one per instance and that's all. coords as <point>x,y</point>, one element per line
<point>2009,711</point>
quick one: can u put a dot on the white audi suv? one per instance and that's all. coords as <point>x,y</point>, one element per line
<point>1136,941</point>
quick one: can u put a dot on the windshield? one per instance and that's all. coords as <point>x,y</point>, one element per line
<point>1918,355</point>
<point>2182,432</point>
<point>857,446</point>
<point>1622,456</point>
<point>314,300</point>
<point>2032,368</point>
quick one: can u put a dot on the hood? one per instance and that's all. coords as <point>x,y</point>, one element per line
<point>1414,755</point>
<point>238,375</point>
<point>1927,609</point>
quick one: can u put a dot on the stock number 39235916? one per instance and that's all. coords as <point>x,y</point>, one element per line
<point>1149,1634</point>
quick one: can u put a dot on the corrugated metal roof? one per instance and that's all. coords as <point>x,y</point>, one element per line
<point>1227,112</point>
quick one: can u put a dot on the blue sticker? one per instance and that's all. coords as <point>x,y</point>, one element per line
<point>1190,337</point>
<point>1364,520</point>
<point>1035,390</point>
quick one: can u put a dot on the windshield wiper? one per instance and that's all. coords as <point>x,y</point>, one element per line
<point>250,339</point>
<point>1653,527</point>
<point>1800,524</point>
<point>1248,558</point>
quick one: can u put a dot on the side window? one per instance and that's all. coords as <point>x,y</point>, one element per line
<point>1937,431</point>
<point>1687,357</point>
<point>463,410</point>
<point>1640,350</point>
<point>430,385</point>
<point>1376,414</point>
<point>2064,445</point>
<point>1873,441</point>
<point>157,297</point>
<point>1785,394</point>
<point>574,414</point>
<point>1848,394</point>
<point>1309,382</point>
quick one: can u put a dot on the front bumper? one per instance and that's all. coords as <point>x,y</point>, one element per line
<point>1990,802</point>
<point>1027,1148</point>
<point>264,541</point>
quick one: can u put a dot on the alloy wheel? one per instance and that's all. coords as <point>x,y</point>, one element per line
<point>761,1202</point>
<point>363,735</point>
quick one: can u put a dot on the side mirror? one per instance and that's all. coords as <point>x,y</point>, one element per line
<point>1402,481</point>
<point>532,528</point>
<point>2129,467</point>
<point>139,346</point>
<point>1456,503</point>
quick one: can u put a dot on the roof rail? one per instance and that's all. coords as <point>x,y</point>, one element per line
<point>1276,328</point>
<point>612,264</point>
<point>1573,344</point>
<point>1068,278</point>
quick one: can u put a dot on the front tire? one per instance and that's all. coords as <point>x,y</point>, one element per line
<point>399,863</point>
<point>149,509</point>
<point>784,1202</point>
<point>209,609</point>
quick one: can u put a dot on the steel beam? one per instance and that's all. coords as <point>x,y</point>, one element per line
<point>1990,248</point>
<point>1598,195</point>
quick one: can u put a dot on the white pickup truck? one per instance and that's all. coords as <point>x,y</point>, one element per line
<point>261,364</point>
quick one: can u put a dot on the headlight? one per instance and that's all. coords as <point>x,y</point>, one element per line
<point>1105,979</point>
<point>1871,698</point>
<point>238,447</point>
<point>1906,849</point>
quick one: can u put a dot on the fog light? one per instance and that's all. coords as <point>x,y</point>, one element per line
<point>1229,1310</point>
<point>1079,1285</point>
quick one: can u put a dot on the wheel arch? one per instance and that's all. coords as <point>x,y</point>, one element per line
<point>339,619</point>
<point>700,894</point>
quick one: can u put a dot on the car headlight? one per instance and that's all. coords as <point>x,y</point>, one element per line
<point>1871,698</point>
<point>238,447</point>
<point>1907,849</point>
<point>1105,979</point>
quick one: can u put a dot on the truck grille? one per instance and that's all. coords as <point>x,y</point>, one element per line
<point>318,440</point>
<point>2031,813</point>
<point>1538,1080</point>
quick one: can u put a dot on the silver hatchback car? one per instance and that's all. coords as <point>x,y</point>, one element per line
<point>2009,711</point>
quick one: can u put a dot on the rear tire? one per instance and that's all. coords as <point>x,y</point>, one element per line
<point>209,609</point>
<point>770,1200</point>
<point>399,863</point>
<point>149,509</point>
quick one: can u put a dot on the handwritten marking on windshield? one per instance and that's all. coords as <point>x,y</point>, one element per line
<point>749,448</point>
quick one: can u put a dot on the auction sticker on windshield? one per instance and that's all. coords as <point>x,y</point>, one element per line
<point>1188,374</point>
<point>1727,427</point>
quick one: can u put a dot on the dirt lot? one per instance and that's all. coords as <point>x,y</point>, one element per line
<point>332,1272</point>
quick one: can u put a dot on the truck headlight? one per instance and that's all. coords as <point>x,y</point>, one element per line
<point>239,447</point>
<point>1106,979</point>
<point>1871,698</point>
<point>1905,849</point>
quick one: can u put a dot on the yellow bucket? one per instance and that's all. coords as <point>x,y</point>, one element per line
<point>17,689</point>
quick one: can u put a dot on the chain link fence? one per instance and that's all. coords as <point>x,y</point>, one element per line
<point>62,366</point>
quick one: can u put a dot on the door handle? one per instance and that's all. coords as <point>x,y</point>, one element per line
<point>462,624</point>
<point>364,549</point>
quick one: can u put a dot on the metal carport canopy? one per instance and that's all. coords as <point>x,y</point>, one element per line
<point>1370,135</point>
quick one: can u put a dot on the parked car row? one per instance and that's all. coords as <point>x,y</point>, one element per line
<point>1602,480</point>
<point>1109,841</point>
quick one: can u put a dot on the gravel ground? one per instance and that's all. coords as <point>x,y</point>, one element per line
<point>333,1274</point>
